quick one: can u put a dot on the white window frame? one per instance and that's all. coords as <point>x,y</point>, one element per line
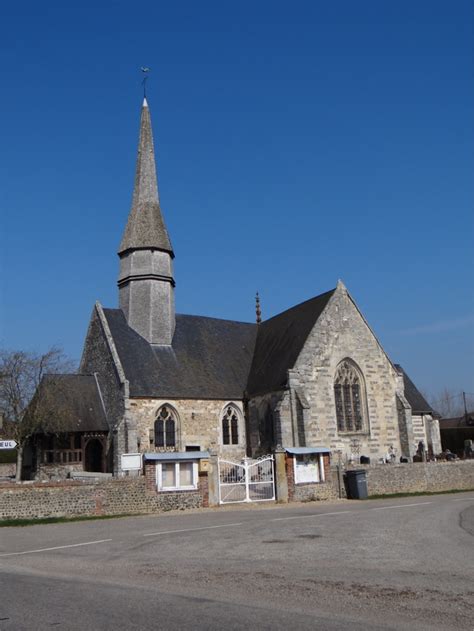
<point>177,463</point>
<point>319,470</point>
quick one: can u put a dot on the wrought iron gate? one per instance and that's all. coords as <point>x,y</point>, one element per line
<point>247,481</point>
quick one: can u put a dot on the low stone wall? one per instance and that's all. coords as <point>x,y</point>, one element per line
<point>68,498</point>
<point>308,492</point>
<point>7,469</point>
<point>418,477</point>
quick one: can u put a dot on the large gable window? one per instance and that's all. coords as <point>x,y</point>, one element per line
<point>349,395</point>
<point>165,428</point>
<point>230,426</point>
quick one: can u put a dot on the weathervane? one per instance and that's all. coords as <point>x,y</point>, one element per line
<point>145,72</point>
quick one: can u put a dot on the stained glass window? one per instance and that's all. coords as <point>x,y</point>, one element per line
<point>349,398</point>
<point>230,427</point>
<point>165,429</point>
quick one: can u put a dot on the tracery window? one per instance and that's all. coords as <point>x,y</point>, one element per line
<point>349,395</point>
<point>230,426</point>
<point>165,428</point>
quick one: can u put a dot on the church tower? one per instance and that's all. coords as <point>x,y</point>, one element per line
<point>146,283</point>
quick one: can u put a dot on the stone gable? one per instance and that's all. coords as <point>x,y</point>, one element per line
<point>341,332</point>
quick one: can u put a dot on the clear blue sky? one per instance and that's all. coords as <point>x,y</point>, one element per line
<point>297,143</point>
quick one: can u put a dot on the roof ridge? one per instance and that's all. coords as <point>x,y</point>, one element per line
<point>192,315</point>
<point>300,304</point>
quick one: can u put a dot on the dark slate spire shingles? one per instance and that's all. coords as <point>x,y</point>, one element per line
<point>145,228</point>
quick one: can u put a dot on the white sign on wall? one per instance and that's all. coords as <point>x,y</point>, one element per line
<point>307,468</point>
<point>7,444</point>
<point>131,462</point>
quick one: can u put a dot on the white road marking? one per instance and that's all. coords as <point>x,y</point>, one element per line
<point>339,512</point>
<point>463,499</point>
<point>72,545</point>
<point>169,532</point>
<point>401,506</point>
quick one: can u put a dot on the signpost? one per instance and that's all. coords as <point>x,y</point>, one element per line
<point>8,444</point>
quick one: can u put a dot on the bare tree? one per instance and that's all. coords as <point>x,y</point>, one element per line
<point>28,405</point>
<point>450,403</point>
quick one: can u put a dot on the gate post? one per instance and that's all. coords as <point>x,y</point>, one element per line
<point>281,481</point>
<point>213,480</point>
<point>245,463</point>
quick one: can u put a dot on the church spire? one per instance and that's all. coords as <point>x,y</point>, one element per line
<point>146,283</point>
<point>145,228</point>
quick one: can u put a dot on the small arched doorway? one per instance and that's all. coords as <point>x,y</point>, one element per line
<point>93,457</point>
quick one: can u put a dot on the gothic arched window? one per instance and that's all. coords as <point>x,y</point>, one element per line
<point>349,395</point>
<point>165,428</point>
<point>230,426</point>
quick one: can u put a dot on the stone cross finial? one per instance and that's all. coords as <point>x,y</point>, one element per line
<point>257,308</point>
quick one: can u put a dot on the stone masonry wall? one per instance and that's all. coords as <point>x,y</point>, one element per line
<point>7,469</point>
<point>419,477</point>
<point>124,496</point>
<point>150,485</point>
<point>341,333</point>
<point>199,424</point>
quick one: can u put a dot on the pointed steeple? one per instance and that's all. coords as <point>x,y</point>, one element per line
<point>146,282</point>
<point>145,228</point>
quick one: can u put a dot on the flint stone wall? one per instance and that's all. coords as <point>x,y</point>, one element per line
<point>67,499</point>
<point>418,477</point>
<point>7,469</point>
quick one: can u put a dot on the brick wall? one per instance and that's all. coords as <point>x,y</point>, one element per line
<point>123,496</point>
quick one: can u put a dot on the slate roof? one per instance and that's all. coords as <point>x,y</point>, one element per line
<point>76,400</point>
<point>419,404</point>
<point>215,359</point>
<point>279,342</point>
<point>457,422</point>
<point>209,358</point>
<point>145,226</point>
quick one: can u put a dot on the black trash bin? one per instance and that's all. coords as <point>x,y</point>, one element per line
<point>357,484</point>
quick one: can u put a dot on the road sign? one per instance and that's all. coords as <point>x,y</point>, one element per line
<point>7,444</point>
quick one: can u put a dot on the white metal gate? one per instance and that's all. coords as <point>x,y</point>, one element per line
<point>247,481</point>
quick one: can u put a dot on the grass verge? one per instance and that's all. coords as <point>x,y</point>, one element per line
<point>4,523</point>
<point>388,496</point>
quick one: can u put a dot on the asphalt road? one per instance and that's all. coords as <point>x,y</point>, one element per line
<point>386,564</point>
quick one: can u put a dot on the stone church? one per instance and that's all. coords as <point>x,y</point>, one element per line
<point>314,376</point>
